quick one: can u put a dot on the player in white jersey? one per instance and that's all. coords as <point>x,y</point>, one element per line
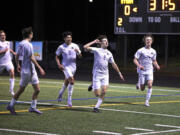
<point>102,58</point>
<point>28,71</point>
<point>145,59</point>
<point>69,51</point>
<point>5,59</point>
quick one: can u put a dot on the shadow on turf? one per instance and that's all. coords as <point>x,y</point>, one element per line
<point>126,103</point>
<point>77,109</point>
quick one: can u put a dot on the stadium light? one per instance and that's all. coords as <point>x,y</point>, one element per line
<point>90,1</point>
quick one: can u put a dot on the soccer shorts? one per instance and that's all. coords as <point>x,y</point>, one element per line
<point>68,72</point>
<point>9,66</point>
<point>28,78</point>
<point>143,78</point>
<point>100,80</point>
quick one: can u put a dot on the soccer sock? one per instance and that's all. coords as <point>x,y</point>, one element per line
<point>62,89</point>
<point>11,81</point>
<point>70,92</point>
<point>148,96</point>
<point>13,101</point>
<point>34,103</point>
<point>99,102</point>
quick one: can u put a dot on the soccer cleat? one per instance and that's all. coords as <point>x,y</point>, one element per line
<point>96,110</point>
<point>59,99</point>
<point>147,104</point>
<point>90,88</point>
<point>34,110</point>
<point>11,109</point>
<point>69,104</point>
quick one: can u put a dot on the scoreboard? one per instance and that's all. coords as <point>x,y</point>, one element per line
<point>147,16</point>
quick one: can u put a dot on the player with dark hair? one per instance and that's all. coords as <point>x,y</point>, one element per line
<point>5,59</point>
<point>102,58</point>
<point>145,59</point>
<point>28,71</point>
<point>69,52</point>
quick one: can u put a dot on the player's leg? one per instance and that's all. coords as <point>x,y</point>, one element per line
<point>90,87</point>
<point>62,90</point>
<point>11,81</point>
<point>35,84</point>
<point>70,90</point>
<point>149,91</point>
<point>142,81</point>
<point>138,83</point>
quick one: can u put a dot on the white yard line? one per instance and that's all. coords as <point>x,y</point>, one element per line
<point>28,132</point>
<point>140,129</point>
<point>158,132</point>
<point>110,86</point>
<point>169,126</point>
<point>107,133</point>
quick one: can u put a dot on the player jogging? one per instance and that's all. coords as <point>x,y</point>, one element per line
<point>28,71</point>
<point>69,51</point>
<point>145,59</point>
<point>102,57</point>
<point>5,59</point>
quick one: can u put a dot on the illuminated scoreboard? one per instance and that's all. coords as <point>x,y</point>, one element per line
<point>147,16</point>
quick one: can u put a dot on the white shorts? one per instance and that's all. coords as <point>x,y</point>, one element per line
<point>68,72</point>
<point>100,80</point>
<point>143,78</point>
<point>28,78</point>
<point>7,66</point>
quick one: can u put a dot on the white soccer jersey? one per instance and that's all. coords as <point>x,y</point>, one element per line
<point>5,57</point>
<point>69,55</point>
<point>25,49</point>
<point>102,57</point>
<point>146,57</point>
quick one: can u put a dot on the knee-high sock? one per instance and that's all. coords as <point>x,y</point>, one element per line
<point>11,82</point>
<point>70,92</point>
<point>62,89</point>
<point>99,102</point>
<point>34,103</point>
<point>148,95</point>
<point>13,101</point>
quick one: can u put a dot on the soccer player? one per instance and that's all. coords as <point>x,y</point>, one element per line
<point>145,59</point>
<point>102,57</point>
<point>28,71</point>
<point>5,59</point>
<point>69,52</point>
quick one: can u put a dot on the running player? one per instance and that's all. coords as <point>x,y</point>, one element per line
<point>145,59</point>
<point>102,57</point>
<point>28,71</point>
<point>69,51</point>
<point>5,59</point>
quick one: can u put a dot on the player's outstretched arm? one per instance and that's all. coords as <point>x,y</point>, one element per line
<point>137,64</point>
<point>156,65</point>
<point>17,63</point>
<point>87,47</point>
<point>14,53</point>
<point>37,65</point>
<point>60,66</point>
<point>114,65</point>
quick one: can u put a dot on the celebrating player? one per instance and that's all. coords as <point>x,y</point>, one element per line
<point>102,57</point>
<point>69,51</point>
<point>145,59</point>
<point>5,59</point>
<point>28,71</point>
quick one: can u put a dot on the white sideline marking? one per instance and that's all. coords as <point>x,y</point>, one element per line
<point>110,86</point>
<point>28,132</point>
<point>116,110</point>
<point>108,133</point>
<point>169,126</point>
<point>140,129</point>
<point>157,132</point>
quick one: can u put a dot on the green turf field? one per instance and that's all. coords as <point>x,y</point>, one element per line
<point>122,113</point>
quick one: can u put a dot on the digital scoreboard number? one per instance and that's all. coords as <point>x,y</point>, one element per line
<point>147,16</point>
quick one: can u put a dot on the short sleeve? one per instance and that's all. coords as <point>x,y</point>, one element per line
<point>137,54</point>
<point>30,50</point>
<point>19,50</point>
<point>154,56</point>
<point>77,47</point>
<point>59,51</point>
<point>94,49</point>
<point>111,59</point>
